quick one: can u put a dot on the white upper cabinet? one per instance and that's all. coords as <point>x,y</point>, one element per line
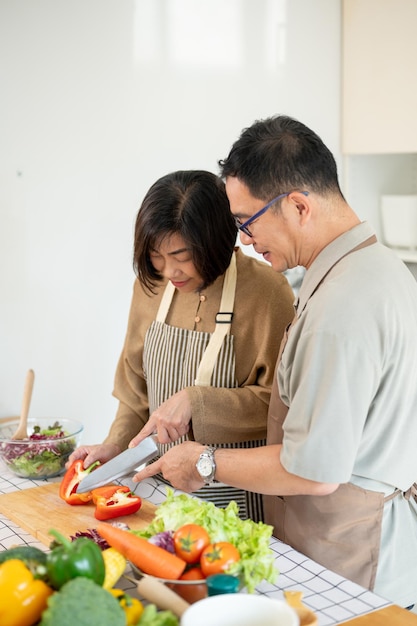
<point>379,79</point>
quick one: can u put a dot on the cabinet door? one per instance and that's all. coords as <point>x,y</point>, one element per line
<point>379,76</point>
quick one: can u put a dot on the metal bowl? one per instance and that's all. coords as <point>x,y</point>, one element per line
<point>193,590</point>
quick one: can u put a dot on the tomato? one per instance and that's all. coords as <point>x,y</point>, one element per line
<point>191,593</point>
<point>217,557</point>
<point>194,573</point>
<point>189,542</point>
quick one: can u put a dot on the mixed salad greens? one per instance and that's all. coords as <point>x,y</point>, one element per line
<point>250,538</point>
<point>43,453</point>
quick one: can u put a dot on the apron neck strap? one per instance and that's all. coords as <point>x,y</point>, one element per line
<point>223,321</point>
<point>165,302</point>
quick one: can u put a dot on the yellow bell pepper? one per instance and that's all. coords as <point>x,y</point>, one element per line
<point>132,607</point>
<point>115,565</point>
<point>22,598</point>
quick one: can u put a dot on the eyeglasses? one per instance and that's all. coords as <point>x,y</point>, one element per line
<point>244,227</point>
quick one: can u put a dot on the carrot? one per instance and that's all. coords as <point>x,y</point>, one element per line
<point>146,556</point>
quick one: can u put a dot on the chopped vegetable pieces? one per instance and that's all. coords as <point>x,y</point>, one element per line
<point>107,491</point>
<point>121,502</point>
<point>164,540</point>
<point>91,533</point>
<point>72,478</point>
<point>43,453</point>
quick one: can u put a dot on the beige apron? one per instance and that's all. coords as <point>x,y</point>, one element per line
<point>190,358</point>
<point>325,528</point>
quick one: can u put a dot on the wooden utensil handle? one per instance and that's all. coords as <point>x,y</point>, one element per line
<point>27,392</point>
<point>164,598</point>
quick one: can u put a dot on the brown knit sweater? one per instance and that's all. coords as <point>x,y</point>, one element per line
<point>263,307</point>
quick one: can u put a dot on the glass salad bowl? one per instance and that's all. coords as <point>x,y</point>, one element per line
<point>45,451</point>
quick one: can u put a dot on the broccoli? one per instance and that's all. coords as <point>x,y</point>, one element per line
<point>84,603</point>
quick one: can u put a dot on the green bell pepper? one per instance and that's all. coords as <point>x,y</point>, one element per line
<point>69,559</point>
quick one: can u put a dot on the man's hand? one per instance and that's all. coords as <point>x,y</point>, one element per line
<point>178,465</point>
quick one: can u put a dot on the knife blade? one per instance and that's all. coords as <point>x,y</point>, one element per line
<point>120,465</point>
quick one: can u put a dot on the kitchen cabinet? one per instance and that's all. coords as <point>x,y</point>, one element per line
<point>379,105</point>
<point>379,80</point>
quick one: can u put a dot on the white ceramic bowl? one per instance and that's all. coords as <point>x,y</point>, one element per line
<point>38,458</point>
<point>239,609</point>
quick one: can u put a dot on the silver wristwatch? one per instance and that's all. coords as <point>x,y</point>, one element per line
<point>206,465</point>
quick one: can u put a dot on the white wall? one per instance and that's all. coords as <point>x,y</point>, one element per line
<point>99,99</point>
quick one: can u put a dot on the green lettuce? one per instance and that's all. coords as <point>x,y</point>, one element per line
<point>152,617</point>
<point>250,538</point>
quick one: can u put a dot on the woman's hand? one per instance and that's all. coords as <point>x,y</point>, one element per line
<point>170,421</point>
<point>101,452</point>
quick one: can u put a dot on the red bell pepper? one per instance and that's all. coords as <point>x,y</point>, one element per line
<point>107,491</point>
<point>72,478</point>
<point>121,502</point>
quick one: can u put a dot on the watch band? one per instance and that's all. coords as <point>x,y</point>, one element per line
<point>206,465</point>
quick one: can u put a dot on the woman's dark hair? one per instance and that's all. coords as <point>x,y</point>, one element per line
<point>278,155</point>
<point>194,205</point>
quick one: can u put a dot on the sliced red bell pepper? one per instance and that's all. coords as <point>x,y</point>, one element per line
<point>121,502</point>
<point>107,491</point>
<point>72,478</point>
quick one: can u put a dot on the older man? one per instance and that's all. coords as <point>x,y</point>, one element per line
<point>340,467</point>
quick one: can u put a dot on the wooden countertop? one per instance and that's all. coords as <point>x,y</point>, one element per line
<point>389,616</point>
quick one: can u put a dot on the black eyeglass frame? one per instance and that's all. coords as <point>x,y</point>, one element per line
<point>244,227</point>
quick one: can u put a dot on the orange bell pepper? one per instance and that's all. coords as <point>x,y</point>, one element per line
<point>72,478</point>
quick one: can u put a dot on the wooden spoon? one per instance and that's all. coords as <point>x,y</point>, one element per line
<point>305,615</point>
<point>156,592</point>
<point>21,431</point>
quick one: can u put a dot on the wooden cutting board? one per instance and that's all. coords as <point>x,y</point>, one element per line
<point>390,616</point>
<point>39,509</point>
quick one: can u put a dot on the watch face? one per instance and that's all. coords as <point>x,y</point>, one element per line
<point>205,466</point>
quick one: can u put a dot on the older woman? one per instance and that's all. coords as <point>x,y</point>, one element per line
<point>203,332</point>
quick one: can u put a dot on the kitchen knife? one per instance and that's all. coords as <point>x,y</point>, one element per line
<point>120,465</point>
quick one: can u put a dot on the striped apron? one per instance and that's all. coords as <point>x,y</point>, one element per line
<point>175,358</point>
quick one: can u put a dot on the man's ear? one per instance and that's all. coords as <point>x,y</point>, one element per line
<point>303,205</point>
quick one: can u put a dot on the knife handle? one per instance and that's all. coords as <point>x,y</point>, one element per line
<point>157,593</point>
